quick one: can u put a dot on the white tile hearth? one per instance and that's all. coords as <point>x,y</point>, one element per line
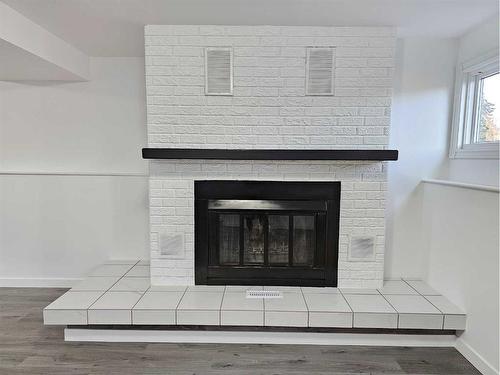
<point>445,306</point>
<point>289,311</point>
<point>237,310</point>
<point>200,307</point>
<point>312,290</point>
<point>454,317</point>
<point>422,287</point>
<point>96,283</point>
<point>206,288</point>
<point>138,271</point>
<point>122,299</point>
<point>416,312</point>
<point>328,310</point>
<point>167,288</point>
<point>70,308</point>
<point>130,262</point>
<point>113,308</point>
<point>131,284</point>
<point>396,287</point>
<point>156,308</point>
<point>372,311</point>
<point>358,291</point>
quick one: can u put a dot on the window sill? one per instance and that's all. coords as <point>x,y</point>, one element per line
<point>477,151</point>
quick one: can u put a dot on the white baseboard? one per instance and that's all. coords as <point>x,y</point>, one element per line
<point>249,337</point>
<point>475,358</point>
<point>24,282</point>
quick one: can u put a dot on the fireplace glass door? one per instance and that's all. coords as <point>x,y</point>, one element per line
<point>249,238</point>
<point>268,238</point>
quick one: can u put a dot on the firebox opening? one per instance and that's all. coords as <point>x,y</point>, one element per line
<point>266,233</point>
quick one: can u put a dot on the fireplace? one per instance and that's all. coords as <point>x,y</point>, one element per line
<point>266,233</point>
<point>269,127</point>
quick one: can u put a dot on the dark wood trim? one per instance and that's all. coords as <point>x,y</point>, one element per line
<point>263,154</point>
<point>394,331</point>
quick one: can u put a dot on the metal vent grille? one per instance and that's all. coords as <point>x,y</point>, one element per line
<point>319,71</point>
<point>264,294</point>
<point>218,71</point>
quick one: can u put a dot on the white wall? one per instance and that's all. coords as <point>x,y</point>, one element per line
<point>59,226</point>
<point>476,42</point>
<point>423,94</point>
<point>461,233</point>
<point>96,127</point>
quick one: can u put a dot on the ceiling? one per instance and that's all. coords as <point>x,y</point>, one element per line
<point>18,64</point>
<point>115,27</point>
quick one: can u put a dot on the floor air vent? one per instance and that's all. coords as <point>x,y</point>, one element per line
<point>264,294</point>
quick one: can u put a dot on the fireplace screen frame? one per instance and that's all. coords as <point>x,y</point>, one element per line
<point>321,199</point>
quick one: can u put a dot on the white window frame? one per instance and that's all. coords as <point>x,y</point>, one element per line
<point>465,111</point>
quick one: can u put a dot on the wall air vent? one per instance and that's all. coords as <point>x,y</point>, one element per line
<point>218,71</point>
<point>320,65</point>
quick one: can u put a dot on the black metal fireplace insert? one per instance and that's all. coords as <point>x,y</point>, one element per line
<point>266,233</point>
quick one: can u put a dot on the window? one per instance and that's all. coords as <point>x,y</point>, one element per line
<point>476,118</point>
<point>487,127</point>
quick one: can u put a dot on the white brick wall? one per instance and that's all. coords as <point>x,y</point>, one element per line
<point>269,109</point>
<point>171,189</point>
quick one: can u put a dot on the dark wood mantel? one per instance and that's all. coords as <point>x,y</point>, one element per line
<point>268,154</point>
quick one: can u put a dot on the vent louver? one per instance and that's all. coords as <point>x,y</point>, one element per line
<point>264,294</point>
<point>319,71</point>
<point>218,71</point>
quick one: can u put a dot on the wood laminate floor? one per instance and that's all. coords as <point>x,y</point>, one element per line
<point>28,347</point>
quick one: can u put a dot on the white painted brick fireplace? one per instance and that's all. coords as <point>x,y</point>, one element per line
<point>268,109</point>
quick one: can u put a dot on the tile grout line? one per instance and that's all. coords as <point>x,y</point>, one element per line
<point>178,303</point>
<point>307,307</point>
<point>442,312</point>
<point>422,295</point>
<point>397,312</point>
<point>415,289</point>
<point>221,302</point>
<point>263,311</point>
<point>350,307</point>
<point>140,298</point>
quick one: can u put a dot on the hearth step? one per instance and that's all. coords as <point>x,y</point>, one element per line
<point>119,293</point>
